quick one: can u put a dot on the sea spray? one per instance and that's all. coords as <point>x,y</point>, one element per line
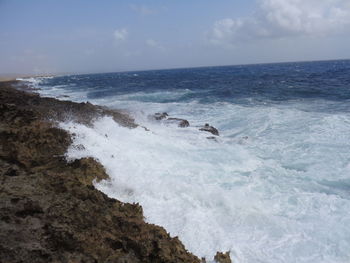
<point>253,196</point>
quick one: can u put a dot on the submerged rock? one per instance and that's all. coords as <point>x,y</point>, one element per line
<point>210,129</point>
<point>180,122</point>
<point>50,210</point>
<point>165,116</point>
<point>160,116</point>
<point>213,138</point>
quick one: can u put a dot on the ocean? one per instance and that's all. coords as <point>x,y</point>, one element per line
<point>273,187</point>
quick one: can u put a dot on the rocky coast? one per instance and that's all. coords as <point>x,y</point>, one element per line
<point>50,210</point>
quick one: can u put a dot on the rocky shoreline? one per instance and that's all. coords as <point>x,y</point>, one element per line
<point>49,209</point>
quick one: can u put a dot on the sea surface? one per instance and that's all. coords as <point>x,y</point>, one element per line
<point>273,187</point>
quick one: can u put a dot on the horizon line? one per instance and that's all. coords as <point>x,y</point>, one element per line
<point>26,75</point>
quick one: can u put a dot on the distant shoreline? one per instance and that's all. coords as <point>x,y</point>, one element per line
<point>6,79</point>
<point>10,77</point>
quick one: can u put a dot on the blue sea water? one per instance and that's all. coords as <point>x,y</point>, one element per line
<point>273,187</point>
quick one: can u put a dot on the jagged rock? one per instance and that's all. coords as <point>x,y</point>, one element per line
<point>160,116</point>
<point>165,116</point>
<point>50,210</point>
<point>219,258</point>
<point>223,257</point>
<point>57,110</point>
<point>210,129</point>
<point>180,122</point>
<point>87,170</point>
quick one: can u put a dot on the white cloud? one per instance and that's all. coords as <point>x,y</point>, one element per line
<point>154,44</point>
<point>120,34</point>
<point>285,18</point>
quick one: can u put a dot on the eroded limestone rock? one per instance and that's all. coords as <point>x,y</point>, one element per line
<point>50,210</point>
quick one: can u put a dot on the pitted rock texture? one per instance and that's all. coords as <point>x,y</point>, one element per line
<point>49,209</point>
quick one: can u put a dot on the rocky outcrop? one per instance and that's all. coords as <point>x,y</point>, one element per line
<point>222,257</point>
<point>211,129</point>
<point>182,123</point>
<point>160,116</point>
<point>56,110</point>
<point>49,209</point>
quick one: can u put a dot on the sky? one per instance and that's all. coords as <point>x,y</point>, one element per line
<point>85,36</point>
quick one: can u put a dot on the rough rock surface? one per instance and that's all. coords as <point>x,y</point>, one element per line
<point>210,129</point>
<point>160,116</point>
<point>57,110</point>
<point>182,123</point>
<point>222,257</point>
<point>49,209</point>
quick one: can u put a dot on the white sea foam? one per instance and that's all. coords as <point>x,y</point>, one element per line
<point>275,187</point>
<point>280,195</point>
<point>33,82</point>
<point>61,92</point>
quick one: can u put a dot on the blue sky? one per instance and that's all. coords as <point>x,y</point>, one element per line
<point>55,36</point>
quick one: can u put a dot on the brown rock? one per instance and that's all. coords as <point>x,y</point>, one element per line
<point>222,257</point>
<point>49,209</point>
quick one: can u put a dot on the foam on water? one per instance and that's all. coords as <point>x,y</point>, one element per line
<point>278,196</point>
<point>275,187</point>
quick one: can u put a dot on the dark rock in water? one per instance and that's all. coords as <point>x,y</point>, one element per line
<point>222,257</point>
<point>212,138</point>
<point>145,128</point>
<point>160,116</point>
<point>50,210</point>
<point>164,116</point>
<point>181,122</point>
<point>210,129</point>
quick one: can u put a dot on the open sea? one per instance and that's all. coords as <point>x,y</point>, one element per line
<point>273,187</point>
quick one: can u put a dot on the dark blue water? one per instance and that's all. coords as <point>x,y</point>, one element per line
<point>269,83</point>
